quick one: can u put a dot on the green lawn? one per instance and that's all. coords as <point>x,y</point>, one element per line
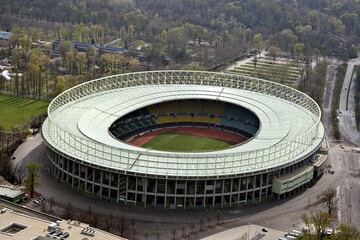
<point>15,111</point>
<point>177,142</point>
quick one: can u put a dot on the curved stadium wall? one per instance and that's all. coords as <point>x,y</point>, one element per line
<point>83,154</point>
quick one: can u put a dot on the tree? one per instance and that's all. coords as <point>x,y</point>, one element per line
<point>173,233</point>
<point>209,219</point>
<point>287,38</point>
<point>64,47</point>
<point>134,231</point>
<point>320,220</point>
<point>308,226</point>
<point>316,223</point>
<point>192,227</point>
<point>32,178</point>
<point>80,61</point>
<point>133,228</point>
<point>89,212</point>
<point>122,226</point>
<point>201,224</point>
<point>91,55</point>
<point>109,222</point>
<point>59,85</point>
<point>345,232</point>
<point>146,235</point>
<point>298,51</point>
<point>258,42</point>
<point>95,219</point>
<point>219,217</point>
<point>329,200</point>
<point>130,32</point>
<point>157,232</point>
<point>183,227</point>
<point>68,211</point>
<point>255,61</point>
<point>43,207</point>
<point>274,52</point>
<point>51,204</point>
<point>176,43</point>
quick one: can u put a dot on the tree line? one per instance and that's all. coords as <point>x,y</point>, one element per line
<point>224,29</point>
<point>44,76</point>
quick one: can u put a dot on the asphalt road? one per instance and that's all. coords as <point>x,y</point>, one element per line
<point>282,215</point>
<point>347,122</point>
<point>349,188</point>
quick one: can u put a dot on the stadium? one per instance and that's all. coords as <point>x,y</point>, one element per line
<point>184,139</point>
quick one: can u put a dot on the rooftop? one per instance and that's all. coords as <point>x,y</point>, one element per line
<point>32,227</point>
<point>9,192</point>
<point>287,132</point>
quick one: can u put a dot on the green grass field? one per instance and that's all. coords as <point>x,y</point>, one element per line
<point>178,142</point>
<point>15,111</point>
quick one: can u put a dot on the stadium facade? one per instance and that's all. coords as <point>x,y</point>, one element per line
<point>86,125</point>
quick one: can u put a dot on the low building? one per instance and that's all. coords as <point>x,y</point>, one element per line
<point>292,181</point>
<point>12,194</point>
<point>19,226</point>
<point>83,47</point>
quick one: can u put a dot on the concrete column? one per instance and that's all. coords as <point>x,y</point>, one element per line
<point>109,194</point>
<point>267,185</point>
<point>254,186</point>
<point>175,194</point>
<point>185,193</point>
<point>247,189</point>
<point>156,190</point>
<point>101,183</point>
<point>238,191</point>
<point>118,187</point>
<point>165,195</point>
<point>214,192</point>
<point>195,192</point>
<point>231,192</point>
<point>136,187</point>
<point>222,193</point>
<point>127,187</point>
<point>261,186</point>
<point>145,192</point>
<point>93,181</point>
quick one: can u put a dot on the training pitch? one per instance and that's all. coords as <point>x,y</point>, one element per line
<point>16,111</point>
<point>180,142</point>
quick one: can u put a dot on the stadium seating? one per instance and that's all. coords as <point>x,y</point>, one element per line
<point>201,113</point>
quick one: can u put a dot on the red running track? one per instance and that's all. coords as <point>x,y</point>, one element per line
<point>196,131</point>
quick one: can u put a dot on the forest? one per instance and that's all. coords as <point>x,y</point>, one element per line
<point>327,27</point>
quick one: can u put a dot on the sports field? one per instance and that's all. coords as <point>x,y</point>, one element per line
<point>181,142</point>
<point>15,111</point>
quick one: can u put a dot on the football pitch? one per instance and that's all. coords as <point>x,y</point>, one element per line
<point>16,111</point>
<point>181,142</point>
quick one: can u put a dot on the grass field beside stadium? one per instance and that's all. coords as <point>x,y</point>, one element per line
<point>180,142</point>
<point>16,111</point>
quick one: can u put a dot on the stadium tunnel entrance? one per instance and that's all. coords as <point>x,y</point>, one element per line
<point>188,125</point>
